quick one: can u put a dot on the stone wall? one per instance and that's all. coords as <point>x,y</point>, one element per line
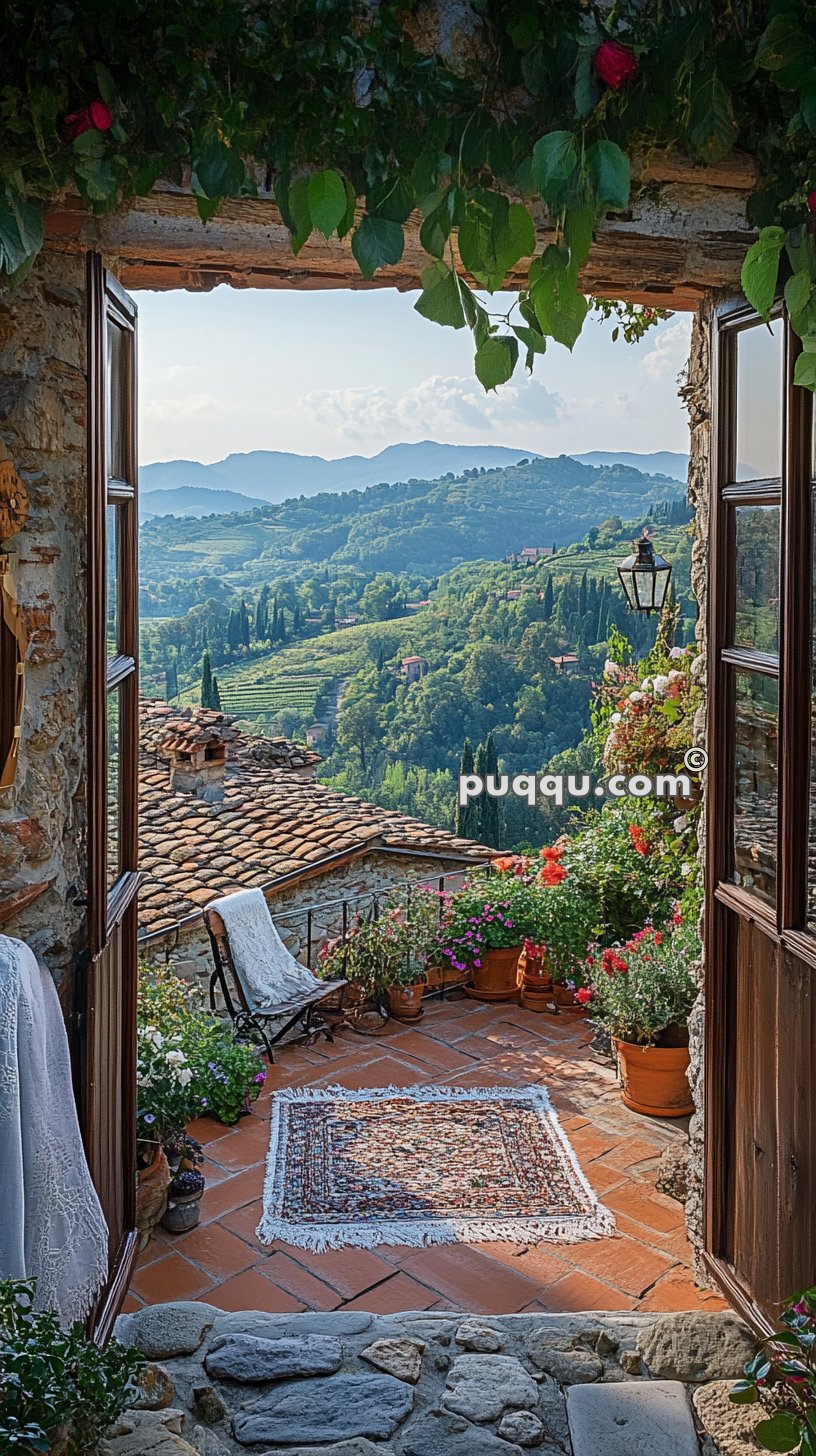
<point>43,406</point>
<point>189,952</point>
<point>696,394</point>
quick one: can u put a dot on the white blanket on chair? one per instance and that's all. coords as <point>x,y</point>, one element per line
<point>268,972</point>
<point>51,1224</point>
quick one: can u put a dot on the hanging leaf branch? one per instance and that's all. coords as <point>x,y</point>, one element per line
<point>356,125</point>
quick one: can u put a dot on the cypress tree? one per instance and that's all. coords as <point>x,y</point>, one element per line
<point>261,614</point>
<point>233,630</point>
<point>244,621</point>
<point>206,682</point>
<point>582,597</point>
<point>467,815</point>
<point>548,599</point>
<point>490,815</point>
<point>215,696</point>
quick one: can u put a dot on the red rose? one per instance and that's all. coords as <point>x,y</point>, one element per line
<point>96,117</point>
<point>811,200</point>
<point>614,64</point>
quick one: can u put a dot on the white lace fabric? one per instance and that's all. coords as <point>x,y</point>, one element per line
<point>52,1228</point>
<point>268,972</point>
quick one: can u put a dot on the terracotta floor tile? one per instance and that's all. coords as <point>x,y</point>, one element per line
<point>471,1279</point>
<point>349,1271</point>
<point>429,1052</point>
<point>131,1304</point>
<point>600,1178</point>
<point>630,1152</point>
<point>588,1143</point>
<point>247,1144</point>
<point>542,1263</point>
<point>384,1072</point>
<point>253,1291</point>
<point>625,1263</point>
<point>646,1206</point>
<point>218,1250</point>
<point>677,1291</point>
<point>171,1277</point>
<point>394,1296</point>
<point>482,1076</point>
<point>244,1221</point>
<point>232,1193</point>
<point>206,1130</point>
<point>577,1292</point>
<point>298,1282</point>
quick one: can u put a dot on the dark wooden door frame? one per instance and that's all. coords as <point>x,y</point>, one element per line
<point>111,912</point>
<point>728,904</point>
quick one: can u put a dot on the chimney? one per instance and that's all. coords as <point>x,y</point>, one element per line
<point>195,749</point>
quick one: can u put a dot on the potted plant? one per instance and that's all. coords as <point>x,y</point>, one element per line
<point>483,928</point>
<point>535,976</point>
<point>642,994</point>
<point>564,917</point>
<point>183,1209</point>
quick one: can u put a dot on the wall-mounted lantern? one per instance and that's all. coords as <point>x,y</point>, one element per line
<point>644,577</point>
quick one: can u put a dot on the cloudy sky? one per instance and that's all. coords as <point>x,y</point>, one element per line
<point>338,373</point>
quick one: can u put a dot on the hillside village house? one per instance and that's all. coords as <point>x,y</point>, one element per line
<point>74,858</point>
<point>413,668</point>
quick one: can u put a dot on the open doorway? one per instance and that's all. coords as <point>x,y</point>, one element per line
<point>419,584</point>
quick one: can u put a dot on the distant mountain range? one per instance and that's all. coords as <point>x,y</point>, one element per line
<point>241,482</point>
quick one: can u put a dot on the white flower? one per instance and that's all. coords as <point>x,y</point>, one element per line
<point>185,1077</point>
<point>646,685</point>
<point>686,868</point>
<point>616,717</point>
<point>636,697</point>
<point>680,824</point>
<point>676,676</point>
<point>661,684</point>
<point>678,652</point>
<point>176,1057</point>
<point>612,669</point>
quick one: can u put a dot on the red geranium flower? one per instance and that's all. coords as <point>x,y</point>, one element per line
<point>583,995</point>
<point>95,117</point>
<point>553,852</point>
<point>552,874</point>
<point>614,64</point>
<point>639,841</point>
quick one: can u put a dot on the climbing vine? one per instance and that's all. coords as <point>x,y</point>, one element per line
<point>356,115</point>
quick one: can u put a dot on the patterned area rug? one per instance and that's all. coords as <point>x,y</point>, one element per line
<point>423,1165</point>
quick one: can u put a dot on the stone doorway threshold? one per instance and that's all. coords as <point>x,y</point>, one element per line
<point>350,1383</point>
<point>459,1042</point>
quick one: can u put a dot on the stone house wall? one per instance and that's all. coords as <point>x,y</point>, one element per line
<point>696,394</point>
<point>189,952</point>
<point>43,403</point>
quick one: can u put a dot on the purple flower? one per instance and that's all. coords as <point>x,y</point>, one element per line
<point>149,1118</point>
<point>260,1077</point>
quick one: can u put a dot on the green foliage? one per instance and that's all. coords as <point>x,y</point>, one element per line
<point>59,1390</point>
<point>343,110</point>
<point>782,1376</point>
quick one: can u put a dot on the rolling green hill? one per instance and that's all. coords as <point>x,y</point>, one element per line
<point>415,526</point>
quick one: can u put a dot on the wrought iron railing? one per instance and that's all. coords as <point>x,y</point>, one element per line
<point>333,920</point>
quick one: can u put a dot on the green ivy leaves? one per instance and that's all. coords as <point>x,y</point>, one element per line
<point>21,233</point>
<point>760,280</point>
<point>761,269</point>
<point>376,243</point>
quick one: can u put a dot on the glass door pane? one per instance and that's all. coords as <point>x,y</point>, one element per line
<point>756,790</point>
<point>759,402</point>
<point>756,617</point>
<point>112,779</point>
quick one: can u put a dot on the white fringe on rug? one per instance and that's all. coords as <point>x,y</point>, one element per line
<point>595,1222</point>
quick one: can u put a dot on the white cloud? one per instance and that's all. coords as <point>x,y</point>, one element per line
<point>445,407</point>
<point>671,349</point>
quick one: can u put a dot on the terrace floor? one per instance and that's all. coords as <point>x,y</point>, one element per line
<point>646,1266</point>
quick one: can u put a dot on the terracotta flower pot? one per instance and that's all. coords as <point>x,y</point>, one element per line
<point>565,996</point>
<point>655,1079</point>
<point>536,982</point>
<point>405,1002</point>
<point>151,1196</point>
<point>496,979</point>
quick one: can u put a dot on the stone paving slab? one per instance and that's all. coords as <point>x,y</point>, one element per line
<point>457,1385</point>
<point>651,1416</point>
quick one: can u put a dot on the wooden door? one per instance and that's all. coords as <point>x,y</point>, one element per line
<point>760,1230</point>
<point>108,1069</point>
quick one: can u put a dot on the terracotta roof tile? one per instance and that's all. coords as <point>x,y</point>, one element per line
<point>271,824</point>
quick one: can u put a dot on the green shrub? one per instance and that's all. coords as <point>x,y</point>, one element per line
<point>59,1391</point>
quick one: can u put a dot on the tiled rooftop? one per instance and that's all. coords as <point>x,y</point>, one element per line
<point>646,1266</point>
<point>272,823</point>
